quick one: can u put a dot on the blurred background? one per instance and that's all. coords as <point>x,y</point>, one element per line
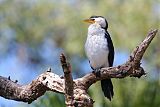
<point>33,33</point>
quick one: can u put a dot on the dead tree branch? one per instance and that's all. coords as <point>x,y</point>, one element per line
<point>68,81</point>
<point>47,81</point>
<point>75,91</point>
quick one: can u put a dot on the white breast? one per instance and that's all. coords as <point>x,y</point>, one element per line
<point>96,47</point>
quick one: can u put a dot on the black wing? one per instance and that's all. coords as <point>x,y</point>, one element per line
<point>106,84</point>
<point>111,49</point>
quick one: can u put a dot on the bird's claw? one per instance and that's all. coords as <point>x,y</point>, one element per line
<point>97,72</point>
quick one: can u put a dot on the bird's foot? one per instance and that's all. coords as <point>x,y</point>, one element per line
<point>97,72</point>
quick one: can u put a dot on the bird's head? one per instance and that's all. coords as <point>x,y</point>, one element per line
<point>98,20</point>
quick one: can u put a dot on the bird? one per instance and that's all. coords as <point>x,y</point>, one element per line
<point>99,50</point>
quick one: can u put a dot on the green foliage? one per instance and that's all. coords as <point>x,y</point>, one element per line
<point>32,21</point>
<point>51,100</point>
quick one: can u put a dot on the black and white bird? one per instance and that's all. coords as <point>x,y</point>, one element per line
<point>100,50</point>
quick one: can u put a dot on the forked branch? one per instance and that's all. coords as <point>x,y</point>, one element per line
<point>75,91</point>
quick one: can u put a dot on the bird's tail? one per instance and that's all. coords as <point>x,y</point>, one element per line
<point>107,88</point>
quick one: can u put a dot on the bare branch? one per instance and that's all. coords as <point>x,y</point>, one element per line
<point>138,52</point>
<point>28,93</point>
<point>68,81</point>
<point>75,90</point>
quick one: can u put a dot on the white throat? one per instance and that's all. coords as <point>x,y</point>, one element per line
<point>95,29</point>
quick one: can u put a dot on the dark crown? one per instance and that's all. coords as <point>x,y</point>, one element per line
<point>101,17</point>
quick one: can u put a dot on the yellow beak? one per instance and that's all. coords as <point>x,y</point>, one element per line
<point>89,21</point>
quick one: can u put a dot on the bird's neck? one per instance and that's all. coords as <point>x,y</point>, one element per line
<point>95,29</point>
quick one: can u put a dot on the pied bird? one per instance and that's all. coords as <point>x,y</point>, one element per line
<point>100,50</point>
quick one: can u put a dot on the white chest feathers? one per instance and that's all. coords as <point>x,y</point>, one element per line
<point>96,47</point>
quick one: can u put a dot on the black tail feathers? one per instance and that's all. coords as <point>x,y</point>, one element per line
<point>107,88</point>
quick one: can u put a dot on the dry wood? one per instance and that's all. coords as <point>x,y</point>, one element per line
<point>75,91</point>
